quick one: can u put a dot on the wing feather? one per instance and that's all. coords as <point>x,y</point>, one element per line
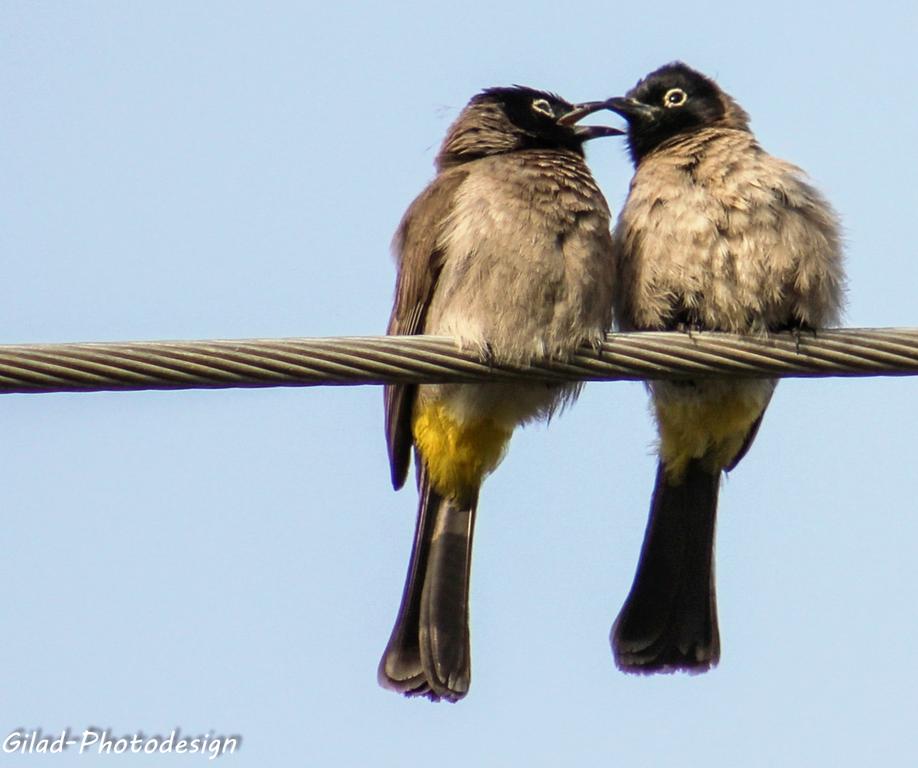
<point>418,249</point>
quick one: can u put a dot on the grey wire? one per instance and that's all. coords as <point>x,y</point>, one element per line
<point>297,362</point>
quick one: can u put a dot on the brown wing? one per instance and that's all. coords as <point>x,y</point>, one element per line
<point>747,443</point>
<point>419,253</point>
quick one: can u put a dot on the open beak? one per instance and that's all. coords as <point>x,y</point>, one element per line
<point>632,109</point>
<point>586,132</point>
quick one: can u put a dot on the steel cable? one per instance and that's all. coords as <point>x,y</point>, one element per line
<point>294,362</point>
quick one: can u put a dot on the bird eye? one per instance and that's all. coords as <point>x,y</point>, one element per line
<point>675,97</point>
<point>542,106</point>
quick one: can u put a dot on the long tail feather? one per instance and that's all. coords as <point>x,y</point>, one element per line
<point>669,620</point>
<point>429,651</point>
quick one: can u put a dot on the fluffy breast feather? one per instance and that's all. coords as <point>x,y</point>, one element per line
<point>717,230</point>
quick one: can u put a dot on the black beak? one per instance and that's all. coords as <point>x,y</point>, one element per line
<point>586,132</point>
<point>632,109</point>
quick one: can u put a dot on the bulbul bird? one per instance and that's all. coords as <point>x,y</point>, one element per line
<point>508,250</point>
<point>715,235</point>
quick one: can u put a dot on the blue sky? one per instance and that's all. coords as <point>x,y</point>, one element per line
<point>232,561</point>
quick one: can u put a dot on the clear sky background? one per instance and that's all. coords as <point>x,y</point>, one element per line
<point>232,561</point>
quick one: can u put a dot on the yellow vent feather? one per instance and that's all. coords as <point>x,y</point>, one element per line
<point>458,454</point>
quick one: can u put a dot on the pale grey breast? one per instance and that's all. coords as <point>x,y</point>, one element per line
<point>528,266</point>
<point>718,233</point>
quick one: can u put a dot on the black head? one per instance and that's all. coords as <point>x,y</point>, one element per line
<point>501,120</point>
<point>672,101</point>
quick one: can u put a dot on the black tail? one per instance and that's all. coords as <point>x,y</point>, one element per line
<point>429,653</point>
<point>669,620</point>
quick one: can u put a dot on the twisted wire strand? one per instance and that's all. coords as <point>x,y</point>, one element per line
<point>93,367</point>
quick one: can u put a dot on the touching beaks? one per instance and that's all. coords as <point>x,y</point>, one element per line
<point>631,109</point>
<point>585,132</point>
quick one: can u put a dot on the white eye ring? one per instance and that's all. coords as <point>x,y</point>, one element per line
<point>675,97</point>
<point>542,105</point>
